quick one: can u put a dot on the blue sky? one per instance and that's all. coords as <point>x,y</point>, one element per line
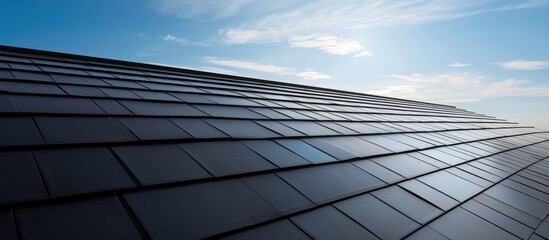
<point>483,55</point>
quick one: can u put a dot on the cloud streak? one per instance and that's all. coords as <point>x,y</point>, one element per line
<point>333,16</point>
<point>458,65</point>
<point>299,23</point>
<point>455,87</point>
<point>200,8</point>
<point>522,65</point>
<point>308,74</point>
<point>329,44</point>
<point>201,68</point>
<point>181,41</point>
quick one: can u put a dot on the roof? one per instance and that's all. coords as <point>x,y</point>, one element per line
<point>94,148</point>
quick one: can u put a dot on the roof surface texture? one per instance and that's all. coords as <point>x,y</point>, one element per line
<point>94,148</point>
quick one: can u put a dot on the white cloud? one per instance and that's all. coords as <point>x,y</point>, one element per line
<point>297,22</point>
<point>455,87</point>
<point>458,65</point>
<point>237,36</point>
<point>281,21</point>
<point>181,41</point>
<point>217,70</point>
<point>267,68</point>
<point>200,68</point>
<point>450,79</point>
<point>333,16</point>
<point>312,75</point>
<point>329,44</point>
<point>524,65</point>
<point>172,38</point>
<point>364,53</point>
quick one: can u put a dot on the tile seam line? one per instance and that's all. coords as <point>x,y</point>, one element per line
<point>133,217</point>
<point>497,226</point>
<point>514,208</point>
<point>527,194</point>
<point>17,224</point>
<point>400,112</point>
<point>534,232</point>
<point>12,114</point>
<point>193,140</point>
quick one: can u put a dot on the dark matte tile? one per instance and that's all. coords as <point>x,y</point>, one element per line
<point>81,170</point>
<point>330,182</point>
<point>198,210</point>
<point>155,164</point>
<point>91,218</point>
<point>278,193</point>
<point>19,131</point>
<point>378,217</point>
<point>329,223</point>
<point>8,230</point>
<point>20,180</point>
<point>282,229</point>
<point>154,128</point>
<point>83,130</point>
<point>226,158</point>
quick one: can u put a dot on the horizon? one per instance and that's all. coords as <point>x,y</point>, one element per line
<point>489,57</point>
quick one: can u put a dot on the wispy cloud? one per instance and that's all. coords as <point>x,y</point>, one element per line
<point>267,68</point>
<point>200,8</point>
<point>333,16</point>
<point>455,87</point>
<point>458,65</point>
<point>181,41</point>
<point>140,35</point>
<point>329,44</point>
<point>309,74</point>
<point>217,70</point>
<point>239,36</point>
<point>298,23</point>
<point>524,65</point>
<point>200,68</point>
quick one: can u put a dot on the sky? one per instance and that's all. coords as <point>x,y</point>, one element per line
<point>486,56</point>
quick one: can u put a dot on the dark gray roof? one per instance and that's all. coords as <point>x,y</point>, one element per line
<point>95,148</point>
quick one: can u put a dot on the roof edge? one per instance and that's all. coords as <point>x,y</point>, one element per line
<point>191,71</point>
